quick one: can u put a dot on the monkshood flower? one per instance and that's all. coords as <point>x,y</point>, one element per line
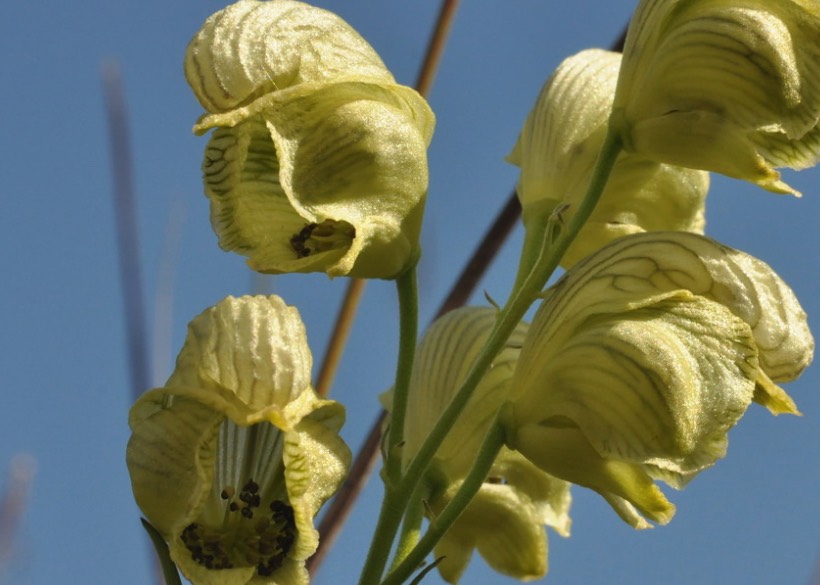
<point>643,356</point>
<point>730,87</point>
<point>505,520</point>
<point>318,161</point>
<point>231,460</point>
<point>557,150</point>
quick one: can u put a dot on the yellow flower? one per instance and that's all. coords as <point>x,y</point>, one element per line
<point>231,460</point>
<point>557,150</point>
<point>318,162</point>
<point>725,86</point>
<point>505,520</point>
<point>641,359</point>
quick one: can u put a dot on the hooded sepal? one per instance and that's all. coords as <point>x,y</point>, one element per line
<point>642,358</point>
<point>557,150</point>
<point>318,166</point>
<point>723,86</point>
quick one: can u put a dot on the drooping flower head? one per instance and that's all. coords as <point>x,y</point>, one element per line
<point>505,520</point>
<point>234,456</point>
<point>318,162</point>
<point>641,359</point>
<point>723,85</point>
<point>557,150</point>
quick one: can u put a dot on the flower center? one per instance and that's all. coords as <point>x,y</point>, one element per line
<point>251,535</point>
<point>315,238</point>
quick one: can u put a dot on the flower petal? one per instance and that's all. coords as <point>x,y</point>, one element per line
<point>642,267</point>
<point>564,450</point>
<point>720,86</point>
<point>170,458</point>
<point>505,527</point>
<point>558,148</point>
<point>643,356</point>
<point>550,495</point>
<point>660,385</point>
<point>248,354</point>
<point>253,47</point>
<point>443,359</point>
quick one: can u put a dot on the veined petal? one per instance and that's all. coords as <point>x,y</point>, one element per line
<point>316,462</point>
<point>564,449</point>
<point>550,495</point>
<point>249,353</point>
<point>343,147</point>
<point>563,133</point>
<point>504,525</point>
<point>171,460</point>
<point>725,86</point>
<point>643,356</point>
<point>233,458</point>
<point>557,151</point>
<point>641,268</point>
<point>443,359</point>
<point>659,385</point>
<point>252,47</point>
<point>516,494</point>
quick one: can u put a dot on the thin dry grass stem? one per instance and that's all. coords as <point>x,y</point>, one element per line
<point>13,507</point>
<point>128,243</point>
<point>482,257</point>
<point>341,331</point>
<point>355,288</point>
<point>127,240</point>
<point>435,47</point>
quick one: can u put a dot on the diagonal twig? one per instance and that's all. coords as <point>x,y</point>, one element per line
<point>127,240</point>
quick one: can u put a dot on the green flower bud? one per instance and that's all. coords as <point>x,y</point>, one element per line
<point>557,150</point>
<point>231,460</point>
<point>641,359</point>
<point>318,162</point>
<point>505,520</point>
<point>723,86</point>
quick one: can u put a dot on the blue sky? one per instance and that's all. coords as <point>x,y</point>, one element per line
<point>752,519</point>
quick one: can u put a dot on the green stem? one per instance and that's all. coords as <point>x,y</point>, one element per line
<point>398,494</point>
<point>169,569</point>
<point>411,526</point>
<point>395,500</point>
<point>508,318</point>
<point>407,287</point>
<point>492,444</point>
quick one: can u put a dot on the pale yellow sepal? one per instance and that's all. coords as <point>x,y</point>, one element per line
<point>233,458</point>
<point>505,520</point>
<point>747,286</point>
<point>523,495</point>
<point>318,159</point>
<point>252,47</point>
<point>557,150</point>
<point>722,86</point>
<point>643,356</point>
